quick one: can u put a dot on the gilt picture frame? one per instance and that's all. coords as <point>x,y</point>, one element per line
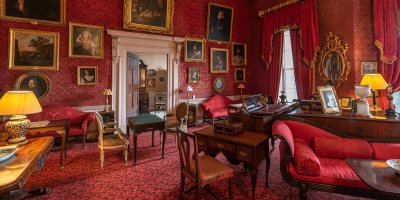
<point>85,41</point>
<point>194,50</point>
<point>239,54</point>
<point>193,75</point>
<point>36,82</point>
<point>219,23</point>
<point>87,75</point>
<point>219,84</point>
<point>34,11</point>
<point>329,100</point>
<point>154,16</point>
<point>33,50</point>
<point>369,68</point>
<point>219,60</point>
<point>240,75</point>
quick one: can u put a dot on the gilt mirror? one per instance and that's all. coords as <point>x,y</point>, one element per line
<point>333,64</point>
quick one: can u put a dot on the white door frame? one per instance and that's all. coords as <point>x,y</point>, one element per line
<point>124,42</point>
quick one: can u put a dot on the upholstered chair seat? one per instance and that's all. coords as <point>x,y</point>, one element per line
<point>115,139</point>
<point>211,170</point>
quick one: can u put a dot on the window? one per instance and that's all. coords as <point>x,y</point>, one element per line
<point>396,101</point>
<point>287,83</point>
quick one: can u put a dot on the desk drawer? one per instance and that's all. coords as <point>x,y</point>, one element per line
<point>222,146</point>
<point>244,154</point>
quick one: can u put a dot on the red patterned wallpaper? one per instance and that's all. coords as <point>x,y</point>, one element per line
<point>190,19</point>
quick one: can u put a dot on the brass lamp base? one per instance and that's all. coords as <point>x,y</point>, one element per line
<point>16,129</point>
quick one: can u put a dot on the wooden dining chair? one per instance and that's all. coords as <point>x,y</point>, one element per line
<point>118,139</point>
<point>201,170</point>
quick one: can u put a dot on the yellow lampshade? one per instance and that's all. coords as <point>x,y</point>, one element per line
<point>107,92</point>
<point>241,86</point>
<point>19,103</point>
<point>376,81</point>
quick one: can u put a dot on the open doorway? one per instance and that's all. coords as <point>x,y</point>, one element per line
<point>152,83</point>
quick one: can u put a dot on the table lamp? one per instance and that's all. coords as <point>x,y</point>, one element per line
<point>241,87</point>
<point>376,82</point>
<point>18,104</point>
<point>106,93</point>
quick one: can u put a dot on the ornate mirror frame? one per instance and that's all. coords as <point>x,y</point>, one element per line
<point>334,48</point>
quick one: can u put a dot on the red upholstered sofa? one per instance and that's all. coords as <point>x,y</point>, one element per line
<point>314,158</point>
<point>78,120</point>
<point>216,107</point>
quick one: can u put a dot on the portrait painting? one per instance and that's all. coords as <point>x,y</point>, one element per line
<point>219,60</point>
<point>328,99</point>
<point>85,41</point>
<point>194,50</point>
<point>219,84</point>
<point>240,75</point>
<point>36,82</point>
<point>151,82</point>
<point>369,68</point>
<point>50,12</point>
<point>87,75</point>
<point>219,23</point>
<point>194,75</point>
<point>149,15</point>
<point>33,50</point>
<point>239,54</point>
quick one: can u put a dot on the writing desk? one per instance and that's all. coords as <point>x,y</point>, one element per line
<point>249,147</point>
<point>144,123</point>
<point>15,171</point>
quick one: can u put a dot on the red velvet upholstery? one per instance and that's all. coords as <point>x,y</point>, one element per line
<point>217,106</point>
<point>328,147</point>
<point>386,151</point>
<point>77,119</point>
<point>306,132</point>
<point>305,160</point>
<point>282,129</point>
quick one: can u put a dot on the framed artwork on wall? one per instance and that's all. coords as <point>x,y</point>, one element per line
<point>194,50</point>
<point>193,75</point>
<point>87,75</point>
<point>219,23</point>
<point>369,68</point>
<point>33,50</point>
<point>151,82</point>
<point>36,82</point>
<point>219,84</point>
<point>153,16</point>
<point>34,11</point>
<point>219,60</point>
<point>85,41</point>
<point>329,100</point>
<point>239,54</point>
<point>240,75</point>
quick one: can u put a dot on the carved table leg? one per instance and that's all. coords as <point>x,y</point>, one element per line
<point>152,138</point>
<point>253,174</point>
<point>267,165</point>
<point>63,150</point>
<point>127,133</point>
<point>134,147</point>
<point>163,143</point>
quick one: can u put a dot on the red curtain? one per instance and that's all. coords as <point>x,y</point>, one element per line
<point>300,15</point>
<point>274,72</point>
<point>386,28</point>
<point>302,73</point>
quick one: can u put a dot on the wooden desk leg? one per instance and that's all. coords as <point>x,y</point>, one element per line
<point>134,148</point>
<point>66,140</point>
<point>163,143</point>
<point>152,138</point>
<point>63,149</point>
<point>253,174</point>
<point>127,133</point>
<point>267,164</point>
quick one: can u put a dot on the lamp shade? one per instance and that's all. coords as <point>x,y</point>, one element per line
<point>376,81</point>
<point>107,92</point>
<point>189,89</point>
<point>19,103</point>
<point>241,86</point>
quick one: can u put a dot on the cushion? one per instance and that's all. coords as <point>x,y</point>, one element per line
<point>386,151</point>
<point>306,132</point>
<point>305,160</point>
<point>342,148</point>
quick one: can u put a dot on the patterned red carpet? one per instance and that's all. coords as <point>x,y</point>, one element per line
<point>152,178</point>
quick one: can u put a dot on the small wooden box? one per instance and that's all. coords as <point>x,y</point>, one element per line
<point>228,128</point>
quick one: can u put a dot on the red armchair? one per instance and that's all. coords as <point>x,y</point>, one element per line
<point>312,157</point>
<point>78,120</point>
<point>216,107</point>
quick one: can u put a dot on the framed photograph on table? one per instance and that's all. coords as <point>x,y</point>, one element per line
<point>219,23</point>
<point>87,75</point>
<point>33,50</point>
<point>345,102</point>
<point>194,50</point>
<point>369,68</point>
<point>36,82</point>
<point>329,100</point>
<point>239,54</point>
<point>219,60</point>
<point>85,41</point>
<point>240,75</point>
<point>34,11</point>
<point>194,75</point>
<point>149,16</point>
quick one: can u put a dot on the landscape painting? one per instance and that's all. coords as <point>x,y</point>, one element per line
<point>33,50</point>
